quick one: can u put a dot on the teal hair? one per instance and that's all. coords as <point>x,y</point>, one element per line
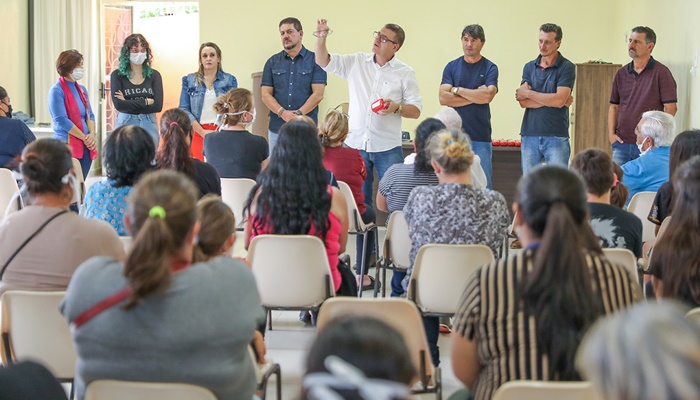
<point>125,64</point>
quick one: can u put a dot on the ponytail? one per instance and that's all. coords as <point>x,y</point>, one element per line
<point>174,152</point>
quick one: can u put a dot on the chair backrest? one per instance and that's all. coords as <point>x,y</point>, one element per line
<point>126,242</point>
<point>8,188</point>
<point>234,192</point>
<point>540,390</point>
<point>397,243</point>
<point>290,270</point>
<point>121,390</point>
<point>623,257</point>
<point>93,179</point>
<point>398,313</point>
<point>38,331</point>
<point>355,223</point>
<point>441,272</point>
<point>80,196</point>
<point>640,205</point>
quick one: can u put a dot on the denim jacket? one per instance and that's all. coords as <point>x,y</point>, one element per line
<point>192,95</point>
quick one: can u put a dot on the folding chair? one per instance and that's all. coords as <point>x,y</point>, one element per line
<point>121,390</point>
<point>640,205</point>
<point>234,192</point>
<point>540,390</point>
<point>397,249</point>
<point>8,189</point>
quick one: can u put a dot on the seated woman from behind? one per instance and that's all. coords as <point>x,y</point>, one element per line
<point>524,317</point>
<point>161,317</point>
<point>454,211</point>
<point>675,263</point>
<point>232,150</point>
<point>128,152</point>
<point>47,241</point>
<point>174,153</point>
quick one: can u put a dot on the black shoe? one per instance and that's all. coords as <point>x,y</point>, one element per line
<point>305,317</point>
<point>370,285</point>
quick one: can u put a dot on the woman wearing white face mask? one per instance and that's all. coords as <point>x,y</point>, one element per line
<point>232,150</point>
<point>69,106</point>
<point>137,89</point>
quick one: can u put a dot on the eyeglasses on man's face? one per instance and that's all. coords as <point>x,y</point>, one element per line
<point>383,38</point>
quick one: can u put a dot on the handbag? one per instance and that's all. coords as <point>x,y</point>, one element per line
<point>9,260</point>
<point>348,284</point>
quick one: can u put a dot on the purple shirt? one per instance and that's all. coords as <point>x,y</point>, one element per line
<point>638,93</point>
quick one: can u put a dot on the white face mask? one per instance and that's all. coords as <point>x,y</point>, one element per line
<point>246,124</point>
<point>640,146</point>
<point>77,74</point>
<point>137,58</point>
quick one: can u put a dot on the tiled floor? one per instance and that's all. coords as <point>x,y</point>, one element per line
<point>289,341</point>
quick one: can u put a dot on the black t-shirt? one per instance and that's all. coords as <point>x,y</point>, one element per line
<point>616,228</point>
<point>135,95</point>
<point>235,154</point>
<point>662,204</point>
<point>206,178</point>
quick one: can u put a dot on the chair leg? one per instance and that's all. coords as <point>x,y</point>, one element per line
<point>384,268</point>
<point>269,319</point>
<point>363,264</point>
<point>376,268</point>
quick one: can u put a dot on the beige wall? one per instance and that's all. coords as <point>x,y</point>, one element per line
<point>14,47</point>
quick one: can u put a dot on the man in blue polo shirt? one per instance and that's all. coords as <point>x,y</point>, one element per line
<point>468,85</point>
<point>292,84</point>
<point>545,94</point>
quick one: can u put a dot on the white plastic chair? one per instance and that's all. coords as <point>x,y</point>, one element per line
<point>357,227</point>
<point>640,205</point>
<point>291,271</point>
<point>440,274</point>
<point>8,188</point>
<point>625,258</point>
<point>401,315</point>
<point>264,372</point>
<point>234,192</point>
<point>79,197</point>
<point>126,242</point>
<point>122,390</point>
<point>33,328</point>
<point>397,248</point>
<point>92,180</point>
<point>540,390</point>
<point>694,314</point>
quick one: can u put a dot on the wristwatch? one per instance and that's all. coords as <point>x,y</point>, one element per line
<point>454,90</point>
<point>298,112</point>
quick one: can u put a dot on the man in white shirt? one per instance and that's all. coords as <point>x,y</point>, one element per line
<point>374,77</point>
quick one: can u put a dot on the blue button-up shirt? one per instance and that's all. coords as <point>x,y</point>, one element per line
<point>291,80</point>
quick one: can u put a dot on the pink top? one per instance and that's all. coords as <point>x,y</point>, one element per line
<point>348,166</point>
<point>332,242</point>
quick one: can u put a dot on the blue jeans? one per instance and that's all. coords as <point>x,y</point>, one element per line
<point>624,152</point>
<point>432,332</point>
<point>484,151</point>
<point>396,285</point>
<point>367,217</point>
<point>548,149</point>
<point>145,121</point>
<point>382,160</point>
<point>272,140</point>
<point>85,162</point>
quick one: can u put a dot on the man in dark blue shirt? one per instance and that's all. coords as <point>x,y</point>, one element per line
<point>14,134</point>
<point>468,85</point>
<point>545,94</point>
<point>292,84</point>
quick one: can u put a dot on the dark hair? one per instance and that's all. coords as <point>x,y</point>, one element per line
<point>3,93</point>
<point>559,291</point>
<point>547,28</point>
<point>125,56</point>
<point>128,153</point>
<point>400,34</point>
<point>649,34</point>
<point>294,187</point>
<point>596,169</point>
<point>293,21</point>
<point>676,252</point>
<point>372,346</point>
<point>475,31</point>
<point>174,151</point>
<point>44,164</point>
<point>67,61</point>
<point>217,224</point>
<point>157,238</point>
<point>199,76</point>
<point>685,145</point>
<point>233,101</point>
<point>619,193</point>
<point>423,132</point>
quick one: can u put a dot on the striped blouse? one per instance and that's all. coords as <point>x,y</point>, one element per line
<point>505,334</point>
<point>399,180</point>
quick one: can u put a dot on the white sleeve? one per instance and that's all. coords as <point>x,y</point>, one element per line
<point>477,173</point>
<point>411,92</point>
<point>342,64</point>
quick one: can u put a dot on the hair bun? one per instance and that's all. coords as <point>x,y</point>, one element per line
<point>32,167</point>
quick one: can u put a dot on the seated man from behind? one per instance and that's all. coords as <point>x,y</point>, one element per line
<point>655,133</point>
<point>614,227</point>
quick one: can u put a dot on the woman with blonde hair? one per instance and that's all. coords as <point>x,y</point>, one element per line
<point>232,150</point>
<point>199,93</point>
<point>347,165</point>
<point>143,320</point>
<point>454,211</point>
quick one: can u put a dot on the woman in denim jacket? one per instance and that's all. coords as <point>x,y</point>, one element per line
<point>199,93</point>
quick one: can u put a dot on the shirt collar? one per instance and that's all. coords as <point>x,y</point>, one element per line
<point>650,65</point>
<point>302,52</point>
<point>370,57</point>
<point>557,62</point>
